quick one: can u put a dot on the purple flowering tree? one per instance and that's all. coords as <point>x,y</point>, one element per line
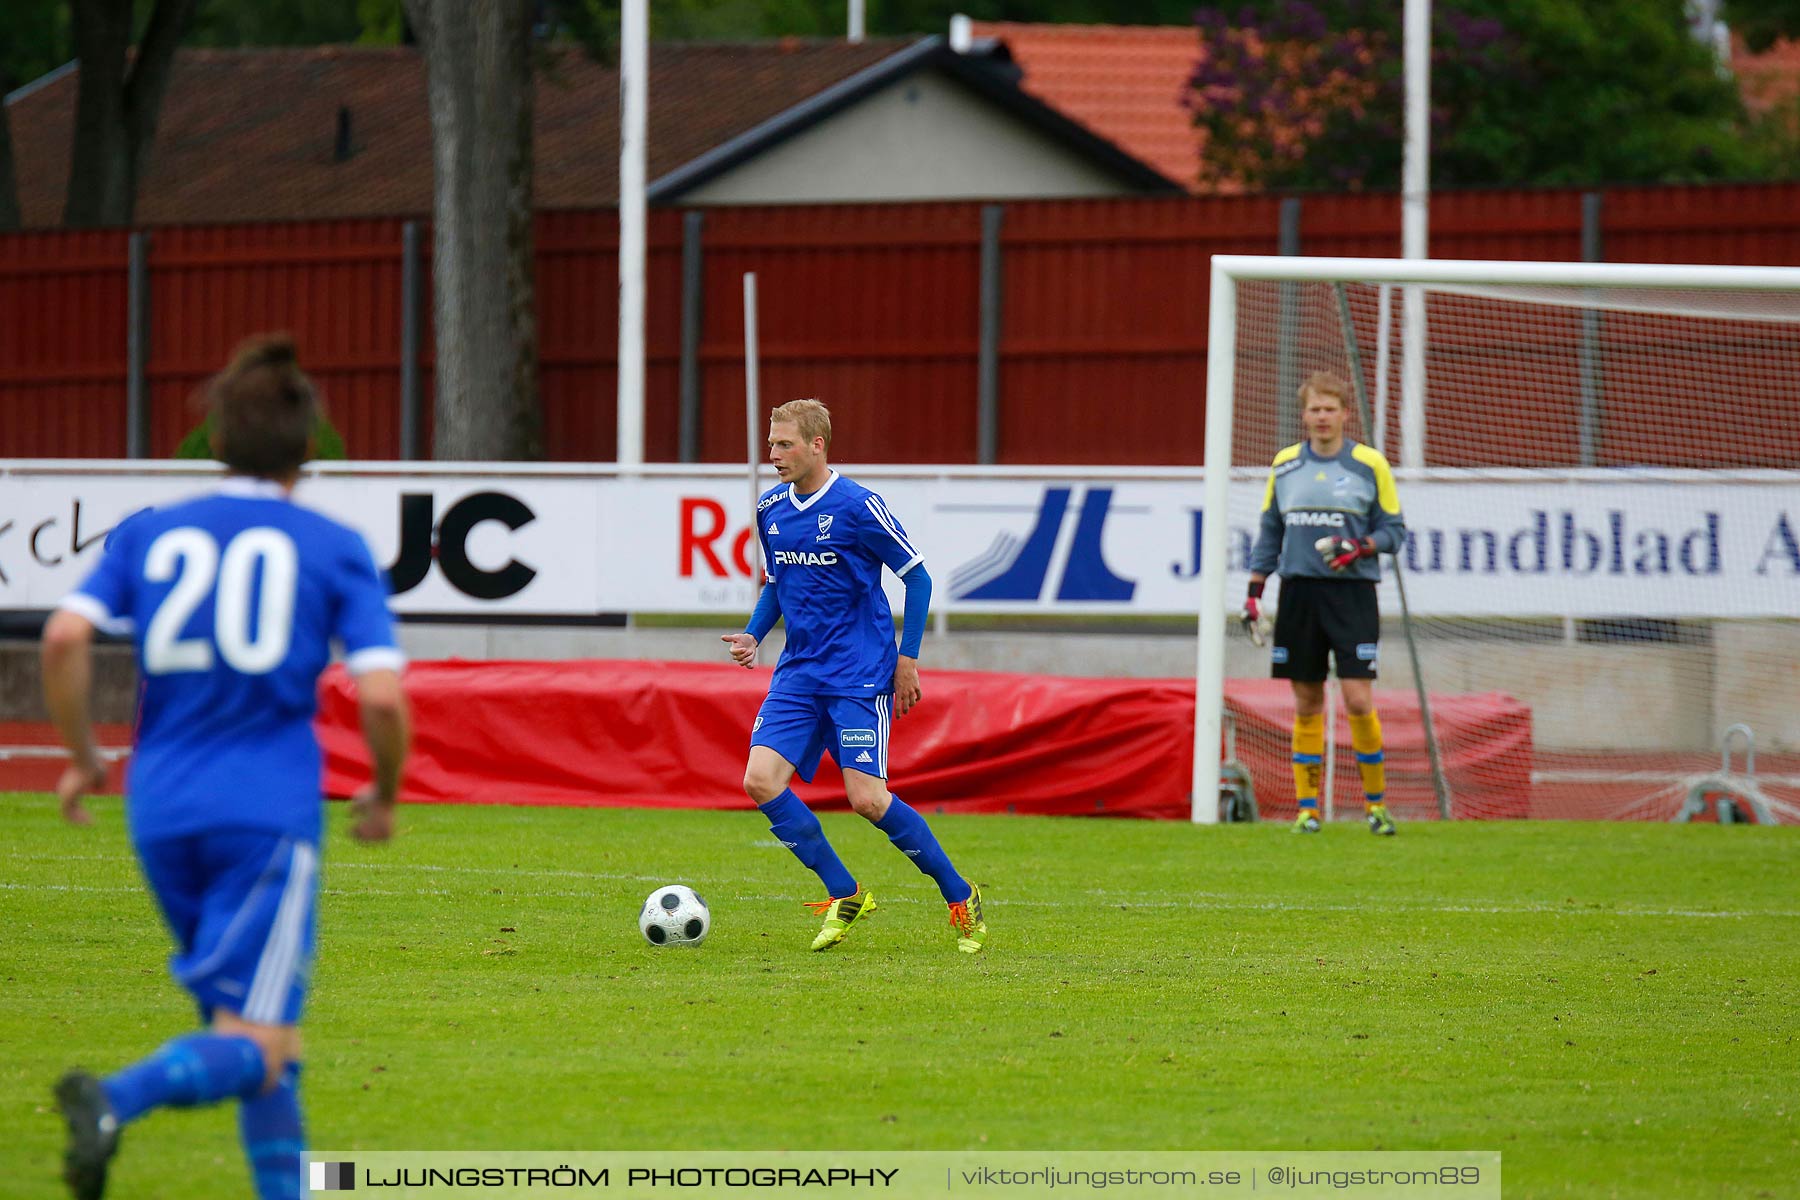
<point>1309,94</point>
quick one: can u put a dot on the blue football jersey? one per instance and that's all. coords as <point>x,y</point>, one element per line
<point>233,600</point>
<point>824,554</point>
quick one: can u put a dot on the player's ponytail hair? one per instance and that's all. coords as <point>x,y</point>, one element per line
<point>811,418</point>
<point>263,409</point>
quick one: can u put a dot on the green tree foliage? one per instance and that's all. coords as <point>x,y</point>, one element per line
<point>595,23</point>
<point>34,39</point>
<point>1761,22</point>
<point>1523,91</point>
<point>36,35</point>
<point>297,22</point>
<point>328,444</point>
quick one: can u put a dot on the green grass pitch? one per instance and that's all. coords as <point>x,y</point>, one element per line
<point>1614,1007</point>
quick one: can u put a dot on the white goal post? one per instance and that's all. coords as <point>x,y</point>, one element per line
<point>1691,291</point>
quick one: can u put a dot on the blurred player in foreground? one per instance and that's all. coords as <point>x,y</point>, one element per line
<point>233,600</point>
<point>825,540</point>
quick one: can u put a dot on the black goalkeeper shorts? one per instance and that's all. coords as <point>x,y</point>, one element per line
<point>1320,617</point>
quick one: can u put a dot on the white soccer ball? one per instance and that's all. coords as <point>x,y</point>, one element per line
<point>675,915</point>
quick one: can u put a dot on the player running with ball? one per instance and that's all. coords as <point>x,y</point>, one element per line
<point>1329,509</point>
<point>825,540</point>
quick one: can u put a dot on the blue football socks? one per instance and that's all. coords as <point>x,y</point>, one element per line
<point>274,1138</point>
<point>201,1068</point>
<point>909,832</point>
<point>796,828</point>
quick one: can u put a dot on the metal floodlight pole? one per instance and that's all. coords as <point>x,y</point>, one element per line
<point>1415,206</point>
<point>752,407</point>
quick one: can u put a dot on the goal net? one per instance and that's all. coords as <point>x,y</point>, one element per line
<point>1600,477</point>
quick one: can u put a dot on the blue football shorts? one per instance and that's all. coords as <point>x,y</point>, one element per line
<point>242,906</point>
<point>852,729</point>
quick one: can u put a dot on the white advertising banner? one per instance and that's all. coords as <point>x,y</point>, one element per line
<point>516,541</point>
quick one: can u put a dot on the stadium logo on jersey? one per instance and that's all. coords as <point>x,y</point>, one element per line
<point>824,527</point>
<point>424,540</point>
<point>1015,568</point>
<point>806,558</point>
<point>849,739</point>
<point>1306,517</point>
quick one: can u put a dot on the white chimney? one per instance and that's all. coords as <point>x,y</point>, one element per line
<point>962,33</point>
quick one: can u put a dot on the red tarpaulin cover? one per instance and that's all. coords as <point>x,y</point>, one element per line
<point>661,734</point>
<point>1484,743</point>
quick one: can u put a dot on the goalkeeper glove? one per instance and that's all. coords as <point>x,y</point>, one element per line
<point>1256,621</point>
<point>1339,551</point>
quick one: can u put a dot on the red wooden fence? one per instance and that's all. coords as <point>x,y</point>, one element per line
<point>873,308</point>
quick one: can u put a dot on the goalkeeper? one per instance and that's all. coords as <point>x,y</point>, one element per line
<point>1329,509</point>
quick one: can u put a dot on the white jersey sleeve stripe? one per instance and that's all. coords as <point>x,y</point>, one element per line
<point>881,709</point>
<point>888,523</point>
<point>228,940</point>
<point>886,518</point>
<point>87,607</point>
<point>375,658</point>
<point>280,959</point>
<point>910,563</point>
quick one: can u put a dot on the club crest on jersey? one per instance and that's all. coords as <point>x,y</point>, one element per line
<point>851,738</point>
<point>824,527</point>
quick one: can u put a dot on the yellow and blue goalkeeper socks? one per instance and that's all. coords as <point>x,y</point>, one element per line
<point>1309,760</point>
<point>1365,737</point>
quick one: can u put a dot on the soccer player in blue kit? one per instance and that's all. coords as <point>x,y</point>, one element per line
<point>825,540</point>
<point>233,600</point>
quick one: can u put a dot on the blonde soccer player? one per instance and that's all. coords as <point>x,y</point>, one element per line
<point>1329,509</point>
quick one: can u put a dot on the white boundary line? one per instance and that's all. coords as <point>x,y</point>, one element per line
<point>1198,901</point>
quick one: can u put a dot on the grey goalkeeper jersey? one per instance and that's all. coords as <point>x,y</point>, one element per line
<point>1350,495</point>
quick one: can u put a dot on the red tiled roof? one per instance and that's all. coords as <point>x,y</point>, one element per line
<point>1770,78</point>
<point>249,135</point>
<point>1124,82</point>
